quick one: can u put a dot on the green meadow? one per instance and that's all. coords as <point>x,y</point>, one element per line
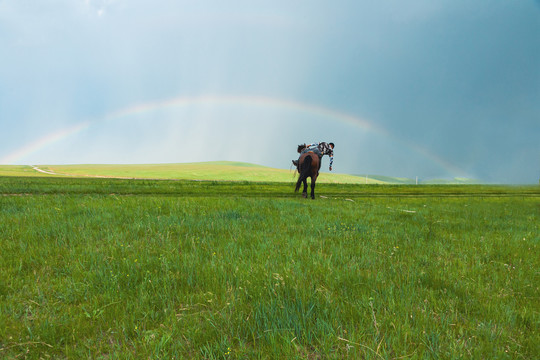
<point>19,170</point>
<point>216,170</point>
<point>161,269</point>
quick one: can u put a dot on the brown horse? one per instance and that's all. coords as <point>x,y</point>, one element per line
<point>308,166</point>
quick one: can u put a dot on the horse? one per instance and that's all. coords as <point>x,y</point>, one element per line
<point>308,166</point>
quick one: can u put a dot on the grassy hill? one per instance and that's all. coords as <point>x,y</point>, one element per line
<point>18,170</point>
<point>387,179</point>
<point>216,170</point>
<point>407,181</point>
<point>456,180</point>
<point>213,170</point>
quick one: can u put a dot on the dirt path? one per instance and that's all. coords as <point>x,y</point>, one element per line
<point>44,171</point>
<point>50,172</point>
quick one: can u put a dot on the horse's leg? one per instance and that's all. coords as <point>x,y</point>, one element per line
<point>313,180</point>
<point>304,192</point>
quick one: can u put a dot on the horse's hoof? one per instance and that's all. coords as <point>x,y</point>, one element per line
<point>304,195</point>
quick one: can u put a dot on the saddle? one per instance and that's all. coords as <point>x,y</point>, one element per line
<point>312,150</point>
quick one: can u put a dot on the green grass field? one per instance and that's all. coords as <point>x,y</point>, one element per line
<point>120,269</point>
<point>19,170</point>
<point>215,171</point>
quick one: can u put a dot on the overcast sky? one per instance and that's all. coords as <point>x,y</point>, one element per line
<point>425,88</point>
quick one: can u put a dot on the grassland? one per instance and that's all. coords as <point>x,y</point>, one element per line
<point>109,268</point>
<point>19,170</point>
<point>215,171</point>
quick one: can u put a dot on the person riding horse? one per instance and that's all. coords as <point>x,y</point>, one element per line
<point>320,149</point>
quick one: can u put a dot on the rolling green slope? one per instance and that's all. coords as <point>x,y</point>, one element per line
<point>214,170</point>
<point>407,181</point>
<point>18,170</point>
<point>220,170</point>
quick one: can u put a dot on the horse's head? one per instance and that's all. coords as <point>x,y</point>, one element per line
<point>301,147</point>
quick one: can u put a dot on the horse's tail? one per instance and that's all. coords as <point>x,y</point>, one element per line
<point>305,169</point>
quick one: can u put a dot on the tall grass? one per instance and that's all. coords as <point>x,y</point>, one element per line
<point>92,274</point>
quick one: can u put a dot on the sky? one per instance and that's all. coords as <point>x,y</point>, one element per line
<point>422,88</point>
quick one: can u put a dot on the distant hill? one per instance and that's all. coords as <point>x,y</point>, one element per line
<point>212,171</point>
<point>388,179</point>
<point>407,181</point>
<point>453,181</point>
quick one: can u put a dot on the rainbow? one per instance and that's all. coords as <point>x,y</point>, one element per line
<point>252,101</point>
<point>43,142</point>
